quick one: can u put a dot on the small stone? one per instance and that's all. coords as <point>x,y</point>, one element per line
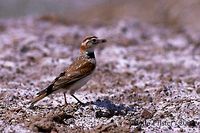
<point>69,121</point>
<point>43,126</point>
<point>137,129</point>
<point>105,113</point>
<point>62,118</point>
<point>192,123</point>
<point>146,114</point>
<point>162,116</point>
<point>198,90</point>
<point>24,49</point>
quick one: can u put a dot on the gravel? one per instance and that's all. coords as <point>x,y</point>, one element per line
<point>147,78</point>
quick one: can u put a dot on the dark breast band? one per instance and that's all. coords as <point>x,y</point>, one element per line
<point>91,54</point>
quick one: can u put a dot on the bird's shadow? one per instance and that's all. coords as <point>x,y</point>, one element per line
<point>112,109</point>
<point>103,104</point>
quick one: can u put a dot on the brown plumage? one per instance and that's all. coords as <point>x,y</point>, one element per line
<point>76,75</point>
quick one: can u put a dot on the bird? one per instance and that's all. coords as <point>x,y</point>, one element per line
<point>75,75</point>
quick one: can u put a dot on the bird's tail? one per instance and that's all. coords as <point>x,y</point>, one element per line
<point>41,95</point>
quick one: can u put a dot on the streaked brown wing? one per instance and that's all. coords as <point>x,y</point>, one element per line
<point>73,73</point>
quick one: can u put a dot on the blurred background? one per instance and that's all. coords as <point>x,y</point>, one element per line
<point>172,13</point>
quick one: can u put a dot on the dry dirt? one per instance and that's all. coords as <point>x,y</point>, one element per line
<point>147,78</point>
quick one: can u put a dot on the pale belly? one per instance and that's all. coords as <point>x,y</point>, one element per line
<point>73,88</point>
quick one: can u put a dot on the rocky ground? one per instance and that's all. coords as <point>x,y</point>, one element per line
<point>147,78</point>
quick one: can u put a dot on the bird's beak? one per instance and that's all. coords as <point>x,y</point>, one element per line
<point>102,40</point>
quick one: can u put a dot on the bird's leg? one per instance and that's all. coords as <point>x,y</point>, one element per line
<point>65,99</point>
<point>77,99</point>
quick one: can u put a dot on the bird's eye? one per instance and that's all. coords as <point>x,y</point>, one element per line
<point>94,40</point>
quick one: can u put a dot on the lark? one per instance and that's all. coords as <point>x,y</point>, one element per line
<point>75,75</point>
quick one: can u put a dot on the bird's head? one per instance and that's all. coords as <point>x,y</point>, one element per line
<point>89,44</point>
